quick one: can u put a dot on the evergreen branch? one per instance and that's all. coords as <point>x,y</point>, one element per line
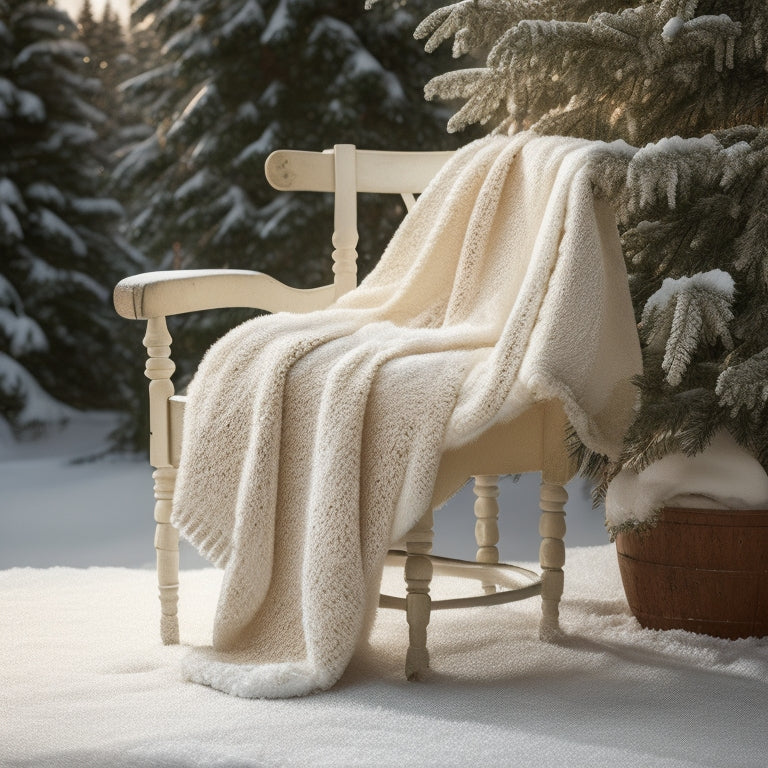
<point>667,423</point>
<point>483,90</point>
<point>751,247</point>
<point>541,40</point>
<point>589,464</point>
<point>682,9</point>
<point>622,64</point>
<point>671,167</point>
<point>745,386</point>
<point>683,338</point>
<point>477,24</point>
<point>751,325</point>
<point>596,467</point>
<point>636,527</point>
<point>740,161</point>
<point>474,24</point>
<point>685,312</point>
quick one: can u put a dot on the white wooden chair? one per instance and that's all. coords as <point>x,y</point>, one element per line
<point>532,442</point>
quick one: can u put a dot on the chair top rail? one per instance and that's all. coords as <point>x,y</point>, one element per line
<point>386,172</point>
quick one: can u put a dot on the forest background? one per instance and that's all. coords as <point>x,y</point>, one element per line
<point>123,153</point>
<point>127,149</point>
<point>124,150</point>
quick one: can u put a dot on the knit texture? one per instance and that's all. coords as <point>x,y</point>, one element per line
<point>313,441</point>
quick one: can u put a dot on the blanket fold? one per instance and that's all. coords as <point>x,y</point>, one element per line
<point>311,442</point>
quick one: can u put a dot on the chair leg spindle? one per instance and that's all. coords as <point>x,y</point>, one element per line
<point>551,556</point>
<point>167,549</point>
<point>159,369</point>
<point>418,575</point>
<point>486,489</point>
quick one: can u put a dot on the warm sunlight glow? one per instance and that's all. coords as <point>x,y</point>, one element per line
<point>121,7</point>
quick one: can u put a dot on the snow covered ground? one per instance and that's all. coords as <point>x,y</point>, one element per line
<point>84,679</point>
<point>59,506</point>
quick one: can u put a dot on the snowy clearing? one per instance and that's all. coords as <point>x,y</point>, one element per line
<point>58,509</point>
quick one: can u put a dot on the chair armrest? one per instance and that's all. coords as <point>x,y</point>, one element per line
<point>159,294</point>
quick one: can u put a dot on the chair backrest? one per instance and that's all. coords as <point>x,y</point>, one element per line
<point>345,171</point>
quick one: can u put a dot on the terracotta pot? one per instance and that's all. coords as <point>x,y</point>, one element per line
<point>703,570</point>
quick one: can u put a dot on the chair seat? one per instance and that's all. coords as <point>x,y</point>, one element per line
<point>493,453</point>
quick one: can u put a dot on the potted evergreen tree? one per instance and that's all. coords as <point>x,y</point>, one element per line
<point>684,84</point>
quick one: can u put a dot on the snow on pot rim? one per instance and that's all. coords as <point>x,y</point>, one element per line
<point>723,476</point>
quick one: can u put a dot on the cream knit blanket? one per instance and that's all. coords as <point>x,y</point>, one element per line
<point>311,442</point>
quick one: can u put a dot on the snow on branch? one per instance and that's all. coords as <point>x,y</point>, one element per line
<point>245,20</point>
<point>195,185</point>
<point>483,89</point>
<point>29,106</point>
<point>158,78</point>
<point>202,109</point>
<point>476,25</point>
<point>106,207</point>
<point>708,171</point>
<point>136,163</point>
<point>45,193</point>
<point>473,24</point>
<point>279,25</point>
<point>50,48</point>
<point>10,226</point>
<point>38,406</point>
<point>180,42</point>
<point>701,34</point>
<point>23,333</point>
<point>64,281</point>
<point>260,148</point>
<point>686,312</point>
<point>240,213</point>
<point>744,159</point>
<point>9,296</point>
<point>671,167</point>
<point>25,104</point>
<point>9,193</point>
<point>68,134</point>
<point>52,228</point>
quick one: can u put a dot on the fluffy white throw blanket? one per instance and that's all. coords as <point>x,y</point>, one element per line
<point>311,442</point>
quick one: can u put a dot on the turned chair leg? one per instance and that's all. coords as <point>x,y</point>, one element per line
<point>551,556</point>
<point>159,369</point>
<point>418,575</point>
<point>167,549</point>
<point>486,489</point>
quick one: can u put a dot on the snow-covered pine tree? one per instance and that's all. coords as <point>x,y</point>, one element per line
<point>137,116</point>
<point>59,256</point>
<point>86,26</point>
<point>243,78</point>
<point>104,39</point>
<point>108,62</point>
<point>112,43</point>
<point>686,82</point>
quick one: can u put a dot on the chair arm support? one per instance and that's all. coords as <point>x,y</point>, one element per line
<point>163,293</point>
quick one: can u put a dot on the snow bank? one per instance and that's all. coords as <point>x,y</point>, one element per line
<point>85,682</point>
<point>724,476</point>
